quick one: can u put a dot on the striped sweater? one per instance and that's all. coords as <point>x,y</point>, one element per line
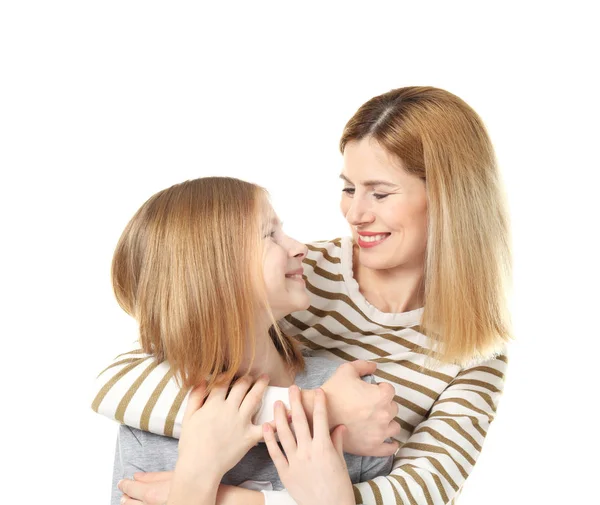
<point>444,413</point>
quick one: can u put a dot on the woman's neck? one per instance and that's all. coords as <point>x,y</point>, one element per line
<point>395,290</point>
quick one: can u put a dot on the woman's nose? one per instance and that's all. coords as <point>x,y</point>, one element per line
<point>359,213</point>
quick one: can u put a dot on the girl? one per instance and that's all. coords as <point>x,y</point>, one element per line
<point>206,270</point>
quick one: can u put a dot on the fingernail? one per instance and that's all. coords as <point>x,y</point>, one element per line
<point>122,500</point>
<point>119,485</point>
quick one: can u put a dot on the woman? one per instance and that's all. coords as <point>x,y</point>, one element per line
<point>418,288</point>
<point>189,251</point>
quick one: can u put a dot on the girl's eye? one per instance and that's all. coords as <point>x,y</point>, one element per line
<point>348,191</point>
<point>380,196</point>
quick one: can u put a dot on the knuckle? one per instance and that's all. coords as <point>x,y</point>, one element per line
<point>149,496</point>
<point>346,367</point>
<point>387,390</point>
<point>244,381</point>
<point>383,417</point>
<point>124,487</point>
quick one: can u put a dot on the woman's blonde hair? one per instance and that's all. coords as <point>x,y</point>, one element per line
<point>188,268</point>
<point>440,139</point>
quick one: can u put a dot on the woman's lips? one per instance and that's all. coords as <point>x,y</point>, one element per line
<point>367,240</point>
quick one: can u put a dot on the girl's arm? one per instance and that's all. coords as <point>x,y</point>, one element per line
<point>217,432</point>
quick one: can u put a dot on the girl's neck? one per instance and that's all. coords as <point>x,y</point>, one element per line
<point>393,291</point>
<point>267,360</point>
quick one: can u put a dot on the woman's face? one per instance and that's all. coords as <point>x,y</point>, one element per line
<point>385,206</point>
<point>282,268</point>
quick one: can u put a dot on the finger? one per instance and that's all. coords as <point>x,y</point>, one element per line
<point>238,391</point>
<point>301,428</point>
<point>134,490</point>
<point>279,459</point>
<point>128,500</point>
<point>253,400</point>
<point>218,391</point>
<point>195,400</point>
<point>320,420</point>
<point>386,392</point>
<point>337,438</point>
<point>152,476</point>
<point>393,430</point>
<point>363,367</point>
<point>286,437</point>
<point>385,450</point>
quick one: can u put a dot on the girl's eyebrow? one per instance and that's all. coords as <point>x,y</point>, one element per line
<point>369,183</point>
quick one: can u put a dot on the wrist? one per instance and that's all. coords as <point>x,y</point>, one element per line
<point>191,488</point>
<point>197,475</point>
<point>332,415</point>
<point>308,403</point>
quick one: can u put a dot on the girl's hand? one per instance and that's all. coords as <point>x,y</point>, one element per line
<point>215,437</point>
<point>314,459</point>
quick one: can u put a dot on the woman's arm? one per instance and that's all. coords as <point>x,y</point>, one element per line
<point>153,489</point>
<point>432,466</point>
<point>136,390</point>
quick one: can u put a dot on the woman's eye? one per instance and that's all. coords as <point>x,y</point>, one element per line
<point>380,196</point>
<point>348,191</point>
<point>271,234</point>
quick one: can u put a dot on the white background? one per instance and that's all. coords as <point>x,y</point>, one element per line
<point>104,103</point>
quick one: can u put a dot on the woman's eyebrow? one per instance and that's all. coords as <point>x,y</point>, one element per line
<point>369,183</point>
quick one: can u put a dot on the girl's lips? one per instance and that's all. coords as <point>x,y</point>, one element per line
<point>372,241</point>
<point>295,277</point>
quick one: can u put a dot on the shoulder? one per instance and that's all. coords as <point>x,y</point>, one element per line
<point>317,370</point>
<point>326,254</point>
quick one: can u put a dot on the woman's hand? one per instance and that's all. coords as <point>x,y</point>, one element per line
<point>315,459</point>
<point>153,488</point>
<point>366,410</point>
<point>150,488</point>
<point>217,431</point>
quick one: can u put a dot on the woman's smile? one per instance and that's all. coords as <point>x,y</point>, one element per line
<point>367,239</point>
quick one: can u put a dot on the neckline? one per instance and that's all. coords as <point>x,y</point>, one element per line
<point>410,318</point>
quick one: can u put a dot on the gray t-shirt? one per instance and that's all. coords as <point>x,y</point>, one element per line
<point>141,451</point>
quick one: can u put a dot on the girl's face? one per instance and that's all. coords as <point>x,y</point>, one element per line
<point>282,268</point>
<point>385,206</point>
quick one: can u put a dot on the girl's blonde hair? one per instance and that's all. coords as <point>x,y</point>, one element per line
<point>440,139</point>
<point>188,268</point>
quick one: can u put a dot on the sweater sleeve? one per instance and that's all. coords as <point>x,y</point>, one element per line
<point>138,391</point>
<point>434,463</point>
